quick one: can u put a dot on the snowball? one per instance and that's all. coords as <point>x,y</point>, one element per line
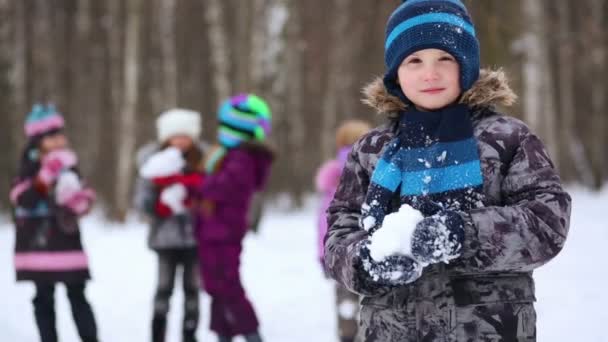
<point>369,222</point>
<point>173,196</point>
<point>162,164</point>
<point>68,183</point>
<point>395,234</point>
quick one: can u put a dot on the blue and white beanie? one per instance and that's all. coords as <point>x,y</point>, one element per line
<point>430,24</point>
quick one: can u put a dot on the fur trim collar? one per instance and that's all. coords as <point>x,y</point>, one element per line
<point>491,89</point>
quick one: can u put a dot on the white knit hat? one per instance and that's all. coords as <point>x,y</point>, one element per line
<point>178,121</point>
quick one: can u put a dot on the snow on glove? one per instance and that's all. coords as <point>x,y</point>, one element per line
<point>70,193</point>
<point>81,201</point>
<point>394,270</point>
<point>53,163</point>
<point>165,163</point>
<point>438,238</point>
<point>426,206</point>
<point>173,197</point>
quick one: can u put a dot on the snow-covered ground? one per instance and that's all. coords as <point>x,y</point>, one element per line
<point>281,274</point>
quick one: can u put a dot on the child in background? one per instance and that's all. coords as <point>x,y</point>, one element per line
<point>327,179</point>
<point>170,174</point>
<point>48,197</point>
<point>492,204</point>
<point>235,170</point>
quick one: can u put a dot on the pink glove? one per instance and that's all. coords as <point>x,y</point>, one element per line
<point>81,201</point>
<point>70,193</point>
<point>55,162</point>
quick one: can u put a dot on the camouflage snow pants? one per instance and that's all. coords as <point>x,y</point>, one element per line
<point>347,310</point>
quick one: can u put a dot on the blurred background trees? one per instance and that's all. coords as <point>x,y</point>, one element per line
<point>112,66</point>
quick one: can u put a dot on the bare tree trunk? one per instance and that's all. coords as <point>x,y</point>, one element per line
<point>44,81</point>
<point>294,91</point>
<point>597,57</point>
<point>115,47</point>
<point>168,46</point>
<point>336,73</point>
<point>242,59</point>
<point>539,99</point>
<point>87,90</point>
<point>20,58</point>
<point>127,127</point>
<point>220,55</point>
<point>576,156</point>
<point>259,39</point>
<point>19,75</point>
<point>7,150</point>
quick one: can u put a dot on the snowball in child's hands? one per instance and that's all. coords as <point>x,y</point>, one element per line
<point>173,197</point>
<point>67,184</point>
<point>394,237</point>
<point>162,164</point>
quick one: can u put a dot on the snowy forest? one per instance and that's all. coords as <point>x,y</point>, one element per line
<point>112,66</point>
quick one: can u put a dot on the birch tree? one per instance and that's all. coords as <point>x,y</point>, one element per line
<point>574,152</point>
<point>220,54</point>
<point>597,59</point>
<point>126,128</point>
<point>539,98</point>
<point>169,59</point>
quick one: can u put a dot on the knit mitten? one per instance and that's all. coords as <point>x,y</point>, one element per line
<point>438,238</point>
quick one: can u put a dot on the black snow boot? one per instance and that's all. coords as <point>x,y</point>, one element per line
<point>159,328</point>
<point>255,337</point>
<point>189,336</point>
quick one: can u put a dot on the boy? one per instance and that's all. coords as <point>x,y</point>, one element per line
<point>493,204</point>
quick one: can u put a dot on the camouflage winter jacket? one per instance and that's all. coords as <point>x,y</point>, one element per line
<point>488,293</point>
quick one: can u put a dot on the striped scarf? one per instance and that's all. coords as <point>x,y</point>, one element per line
<point>432,163</point>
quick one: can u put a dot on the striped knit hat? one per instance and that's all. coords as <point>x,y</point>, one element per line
<point>43,120</point>
<point>245,117</point>
<point>430,24</point>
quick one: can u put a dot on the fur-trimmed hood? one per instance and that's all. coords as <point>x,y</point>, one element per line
<point>491,89</point>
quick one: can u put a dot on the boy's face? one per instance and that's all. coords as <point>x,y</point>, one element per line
<point>182,142</point>
<point>430,78</point>
<point>53,142</point>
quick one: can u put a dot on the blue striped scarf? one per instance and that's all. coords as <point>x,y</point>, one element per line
<point>432,163</point>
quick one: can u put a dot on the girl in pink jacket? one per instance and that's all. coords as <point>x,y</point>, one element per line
<point>327,179</point>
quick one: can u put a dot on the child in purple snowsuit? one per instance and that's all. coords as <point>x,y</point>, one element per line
<point>235,170</point>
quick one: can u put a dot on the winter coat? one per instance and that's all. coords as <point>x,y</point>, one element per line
<point>166,232</point>
<point>488,293</point>
<point>242,172</point>
<point>47,245</point>
<point>326,181</point>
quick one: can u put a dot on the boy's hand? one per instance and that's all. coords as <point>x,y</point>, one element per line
<point>438,238</point>
<point>394,270</point>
